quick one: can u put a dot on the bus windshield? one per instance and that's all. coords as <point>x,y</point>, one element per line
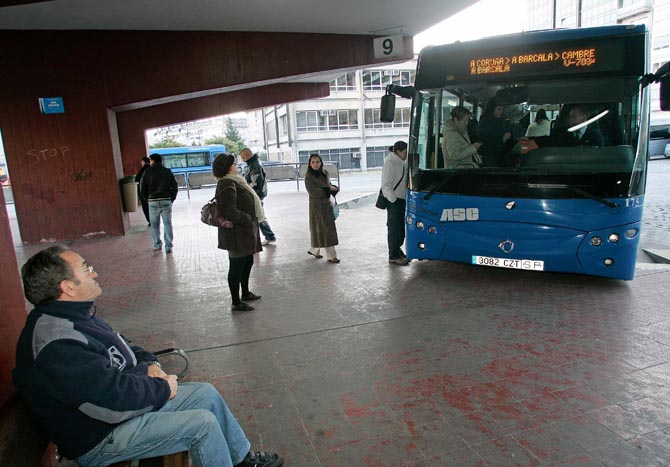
<point>544,125</point>
<point>516,164</point>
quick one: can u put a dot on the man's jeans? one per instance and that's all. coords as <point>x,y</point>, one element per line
<point>266,230</point>
<point>161,209</point>
<point>197,420</point>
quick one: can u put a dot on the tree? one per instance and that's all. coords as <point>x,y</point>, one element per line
<point>231,146</point>
<point>231,132</point>
<point>166,142</point>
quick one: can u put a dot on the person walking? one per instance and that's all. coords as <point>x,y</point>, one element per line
<point>238,203</point>
<point>255,177</point>
<point>322,230</point>
<point>394,187</point>
<point>144,162</point>
<point>159,188</point>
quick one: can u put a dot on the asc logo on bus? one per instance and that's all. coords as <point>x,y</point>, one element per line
<point>459,214</point>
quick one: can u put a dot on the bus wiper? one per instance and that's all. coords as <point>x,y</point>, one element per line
<point>438,187</point>
<point>574,189</point>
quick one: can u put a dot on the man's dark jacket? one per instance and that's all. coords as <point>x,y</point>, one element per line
<point>255,176</point>
<point>80,378</point>
<point>158,183</point>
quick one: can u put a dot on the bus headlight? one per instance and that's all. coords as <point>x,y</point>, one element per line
<point>419,225</point>
<point>410,221</point>
<point>596,241</point>
<point>630,233</point>
<point>432,230</point>
<point>613,238</point>
<point>422,246</point>
<point>608,262</point>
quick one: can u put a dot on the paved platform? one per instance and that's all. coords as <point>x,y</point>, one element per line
<point>368,364</point>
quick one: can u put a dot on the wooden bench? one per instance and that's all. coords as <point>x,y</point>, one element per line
<point>22,442</point>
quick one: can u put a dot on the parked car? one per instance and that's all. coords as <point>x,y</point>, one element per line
<point>659,140</point>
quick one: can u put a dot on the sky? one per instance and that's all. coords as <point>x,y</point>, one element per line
<point>485,18</point>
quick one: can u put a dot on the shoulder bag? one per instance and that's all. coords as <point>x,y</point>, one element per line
<point>210,215</point>
<point>382,202</point>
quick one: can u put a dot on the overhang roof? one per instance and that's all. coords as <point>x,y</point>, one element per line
<point>374,17</point>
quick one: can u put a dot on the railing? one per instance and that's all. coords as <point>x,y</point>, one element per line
<point>273,173</point>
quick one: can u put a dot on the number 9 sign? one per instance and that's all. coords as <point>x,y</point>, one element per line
<point>389,46</point>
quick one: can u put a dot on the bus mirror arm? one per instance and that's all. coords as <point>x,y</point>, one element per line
<point>662,76</point>
<point>406,92</point>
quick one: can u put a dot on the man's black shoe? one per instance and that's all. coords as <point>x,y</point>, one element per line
<point>262,459</point>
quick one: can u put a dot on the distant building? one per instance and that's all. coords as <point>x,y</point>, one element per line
<point>345,126</point>
<point>655,14</point>
<point>195,133</point>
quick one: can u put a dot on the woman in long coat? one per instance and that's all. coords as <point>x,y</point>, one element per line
<point>238,203</point>
<point>323,233</point>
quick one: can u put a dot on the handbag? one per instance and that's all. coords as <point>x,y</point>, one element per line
<point>336,208</point>
<point>382,201</point>
<point>210,215</point>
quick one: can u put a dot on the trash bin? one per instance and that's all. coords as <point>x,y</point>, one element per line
<point>129,193</point>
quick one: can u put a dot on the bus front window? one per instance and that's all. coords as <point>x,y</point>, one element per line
<point>588,141</point>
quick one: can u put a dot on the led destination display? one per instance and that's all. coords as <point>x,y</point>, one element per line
<point>506,64</point>
<point>521,57</point>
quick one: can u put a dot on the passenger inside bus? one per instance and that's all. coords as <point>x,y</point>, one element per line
<point>494,131</point>
<point>458,150</point>
<point>541,126</point>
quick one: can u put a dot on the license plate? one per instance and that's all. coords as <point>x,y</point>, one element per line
<point>527,264</point>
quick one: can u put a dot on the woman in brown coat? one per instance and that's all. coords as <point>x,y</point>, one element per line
<point>322,228</point>
<point>238,203</point>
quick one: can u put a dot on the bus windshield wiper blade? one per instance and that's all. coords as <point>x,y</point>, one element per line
<point>574,189</point>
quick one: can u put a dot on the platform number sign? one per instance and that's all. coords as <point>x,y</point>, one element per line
<point>389,46</point>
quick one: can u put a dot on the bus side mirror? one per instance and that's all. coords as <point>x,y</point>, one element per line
<point>665,92</point>
<point>387,108</point>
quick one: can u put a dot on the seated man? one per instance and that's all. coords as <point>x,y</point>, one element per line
<point>585,135</point>
<point>102,400</point>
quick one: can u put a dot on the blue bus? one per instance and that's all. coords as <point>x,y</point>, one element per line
<point>543,205</point>
<point>189,159</point>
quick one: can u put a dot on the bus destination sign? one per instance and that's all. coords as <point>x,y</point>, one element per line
<point>584,58</point>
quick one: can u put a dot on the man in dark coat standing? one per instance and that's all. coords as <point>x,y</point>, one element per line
<point>145,162</point>
<point>255,177</point>
<point>159,188</point>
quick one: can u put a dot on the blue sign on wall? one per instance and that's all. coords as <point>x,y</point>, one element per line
<point>51,105</point>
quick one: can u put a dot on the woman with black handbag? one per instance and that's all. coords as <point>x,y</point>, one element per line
<point>394,186</point>
<point>238,203</point>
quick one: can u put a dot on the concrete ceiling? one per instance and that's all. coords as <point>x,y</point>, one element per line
<point>376,17</point>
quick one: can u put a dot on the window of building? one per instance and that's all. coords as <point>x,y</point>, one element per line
<point>283,125</point>
<point>346,82</point>
<point>270,130</point>
<point>375,155</point>
<point>377,80</point>
<point>662,41</point>
<point>326,120</point>
<point>400,119</point>
<point>348,158</point>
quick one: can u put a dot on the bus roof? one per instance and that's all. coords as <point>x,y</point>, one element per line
<point>540,54</point>
<point>216,148</point>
